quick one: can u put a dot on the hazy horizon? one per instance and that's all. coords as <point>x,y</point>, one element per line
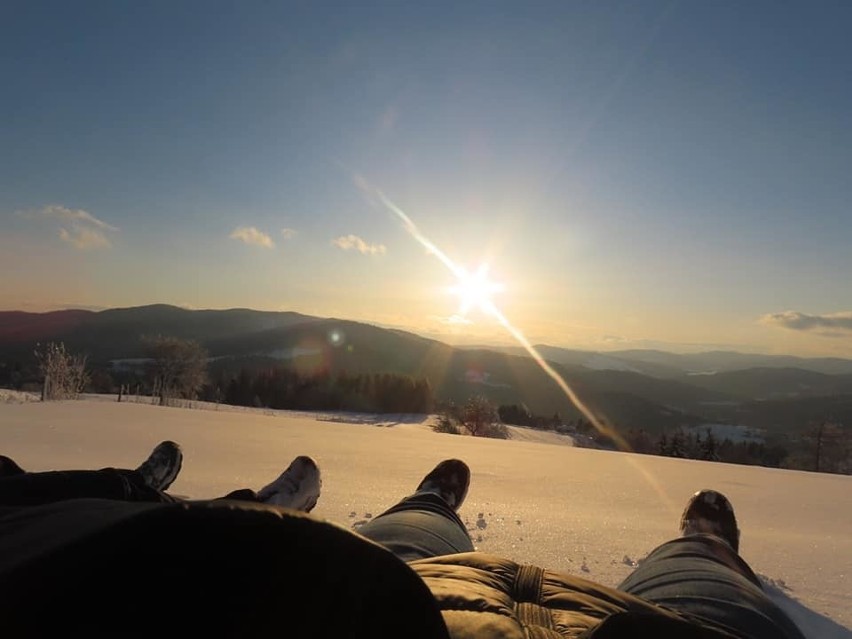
<point>632,174</point>
<point>469,341</point>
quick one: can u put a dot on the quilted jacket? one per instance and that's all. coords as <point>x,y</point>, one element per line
<point>482,595</point>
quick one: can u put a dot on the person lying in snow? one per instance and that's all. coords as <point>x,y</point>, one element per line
<point>98,551</point>
<point>297,488</point>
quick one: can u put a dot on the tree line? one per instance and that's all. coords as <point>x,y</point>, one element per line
<point>177,369</point>
<point>280,387</point>
<point>824,446</point>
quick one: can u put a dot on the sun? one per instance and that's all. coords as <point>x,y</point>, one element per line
<point>475,290</point>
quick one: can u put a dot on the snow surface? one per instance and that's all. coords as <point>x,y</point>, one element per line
<point>587,512</point>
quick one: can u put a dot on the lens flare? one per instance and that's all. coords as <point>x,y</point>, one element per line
<point>488,307</point>
<point>483,302</point>
<point>475,290</point>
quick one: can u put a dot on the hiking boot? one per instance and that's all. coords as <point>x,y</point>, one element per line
<point>297,488</point>
<point>711,513</point>
<point>162,466</point>
<point>9,468</point>
<point>449,480</point>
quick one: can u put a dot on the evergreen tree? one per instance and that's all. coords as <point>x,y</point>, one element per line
<point>708,447</point>
<point>663,446</point>
<point>677,447</point>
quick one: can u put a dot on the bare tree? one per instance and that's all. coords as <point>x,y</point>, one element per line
<point>64,375</point>
<point>478,414</point>
<point>830,446</point>
<point>178,368</point>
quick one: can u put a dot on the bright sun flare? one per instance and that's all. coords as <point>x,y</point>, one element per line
<point>475,290</point>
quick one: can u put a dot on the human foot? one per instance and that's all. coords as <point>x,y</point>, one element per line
<point>297,488</point>
<point>162,466</point>
<point>711,513</point>
<point>449,480</point>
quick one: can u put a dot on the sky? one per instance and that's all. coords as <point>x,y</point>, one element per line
<point>659,174</point>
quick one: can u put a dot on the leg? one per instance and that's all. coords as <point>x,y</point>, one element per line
<point>702,574</point>
<point>426,524</point>
<point>297,488</point>
<point>34,489</point>
<point>8,467</point>
<point>146,483</point>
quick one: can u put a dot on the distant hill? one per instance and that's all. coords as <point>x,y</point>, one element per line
<point>598,361</point>
<point>455,374</point>
<point>773,383</point>
<point>649,390</point>
<point>722,361</point>
<point>118,333</point>
<point>794,416</point>
<point>242,337</point>
<point>675,365</point>
<point>19,327</point>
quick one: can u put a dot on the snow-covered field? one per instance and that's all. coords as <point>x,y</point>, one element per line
<point>587,512</point>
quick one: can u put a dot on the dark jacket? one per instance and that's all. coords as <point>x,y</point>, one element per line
<point>100,568</point>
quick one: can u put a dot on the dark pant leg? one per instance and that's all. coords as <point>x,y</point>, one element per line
<point>700,575</point>
<point>34,489</point>
<point>242,494</point>
<point>418,527</point>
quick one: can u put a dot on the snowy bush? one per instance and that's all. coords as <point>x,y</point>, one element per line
<point>64,375</point>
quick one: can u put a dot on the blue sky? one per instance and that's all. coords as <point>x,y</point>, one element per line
<point>670,174</point>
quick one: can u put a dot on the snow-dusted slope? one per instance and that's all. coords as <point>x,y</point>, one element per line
<point>582,511</point>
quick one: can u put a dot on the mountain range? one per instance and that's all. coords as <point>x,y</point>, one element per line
<point>639,389</point>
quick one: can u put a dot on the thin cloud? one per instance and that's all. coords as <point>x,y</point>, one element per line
<point>830,324</point>
<point>288,233</point>
<point>77,227</point>
<point>353,242</point>
<point>250,235</point>
<point>84,238</point>
<point>75,216</point>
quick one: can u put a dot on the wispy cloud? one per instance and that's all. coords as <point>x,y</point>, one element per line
<point>75,216</point>
<point>77,227</point>
<point>84,238</point>
<point>353,242</point>
<point>288,233</point>
<point>834,324</point>
<point>250,235</point>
